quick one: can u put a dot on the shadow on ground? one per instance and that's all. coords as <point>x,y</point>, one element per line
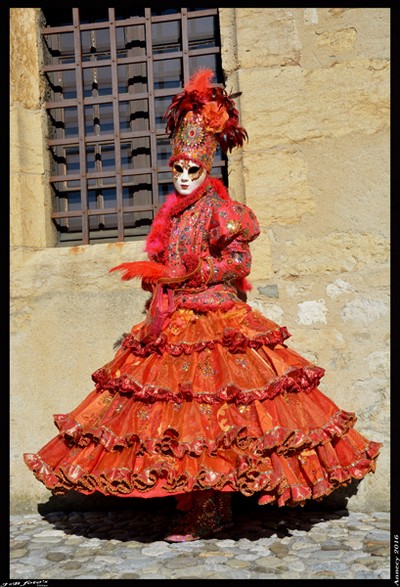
<point>148,520</point>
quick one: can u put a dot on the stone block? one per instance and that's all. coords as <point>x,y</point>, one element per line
<point>269,290</point>
<point>338,41</point>
<point>273,312</point>
<point>336,252</point>
<point>283,105</point>
<point>372,27</point>
<point>79,268</point>
<point>338,288</point>
<point>261,257</point>
<point>310,16</point>
<point>311,312</point>
<point>227,28</point>
<point>277,187</point>
<point>267,37</point>
<point>364,310</point>
<point>25,86</point>
<point>27,144</point>
<point>29,218</point>
<point>378,363</point>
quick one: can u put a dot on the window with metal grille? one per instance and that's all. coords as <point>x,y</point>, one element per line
<point>111,74</point>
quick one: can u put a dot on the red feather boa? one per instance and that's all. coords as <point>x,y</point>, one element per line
<point>158,238</point>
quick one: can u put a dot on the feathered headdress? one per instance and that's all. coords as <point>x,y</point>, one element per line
<point>200,118</point>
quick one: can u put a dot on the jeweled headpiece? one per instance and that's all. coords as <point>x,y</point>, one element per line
<point>200,118</point>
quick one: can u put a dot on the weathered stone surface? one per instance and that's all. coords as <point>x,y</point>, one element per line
<point>238,564</point>
<point>27,130</point>
<point>378,363</point>
<point>312,311</point>
<point>227,24</point>
<point>336,252</point>
<point>24,57</point>
<point>79,268</point>
<point>270,290</point>
<point>338,288</point>
<point>310,16</point>
<point>371,26</point>
<point>338,41</point>
<point>278,549</point>
<point>56,556</point>
<point>277,187</point>
<point>272,311</point>
<point>262,262</point>
<point>26,191</point>
<point>331,545</point>
<point>18,553</point>
<point>364,310</point>
<point>269,563</point>
<point>301,551</point>
<point>280,47</point>
<point>355,95</point>
<point>72,565</point>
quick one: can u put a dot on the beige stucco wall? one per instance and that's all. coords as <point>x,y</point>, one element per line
<point>315,102</point>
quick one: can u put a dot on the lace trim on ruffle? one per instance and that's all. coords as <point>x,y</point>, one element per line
<point>296,379</point>
<point>248,478</point>
<point>283,440</point>
<point>297,494</point>
<point>234,340</point>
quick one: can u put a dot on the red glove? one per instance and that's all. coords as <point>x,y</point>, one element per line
<point>194,265</point>
<point>191,269</point>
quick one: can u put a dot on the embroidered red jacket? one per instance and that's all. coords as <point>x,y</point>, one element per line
<point>206,226</point>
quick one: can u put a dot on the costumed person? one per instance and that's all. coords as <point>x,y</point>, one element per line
<point>204,398</point>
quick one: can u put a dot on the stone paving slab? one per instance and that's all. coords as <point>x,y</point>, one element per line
<point>265,543</point>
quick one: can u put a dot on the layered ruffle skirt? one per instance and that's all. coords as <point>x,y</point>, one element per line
<point>215,401</point>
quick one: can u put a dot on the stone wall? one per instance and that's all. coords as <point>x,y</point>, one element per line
<point>315,171</point>
<point>66,310</point>
<point>315,102</point>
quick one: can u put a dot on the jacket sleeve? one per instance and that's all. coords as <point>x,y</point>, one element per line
<point>233,226</point>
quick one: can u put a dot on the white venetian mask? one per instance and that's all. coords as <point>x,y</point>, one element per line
<point>187,176</point>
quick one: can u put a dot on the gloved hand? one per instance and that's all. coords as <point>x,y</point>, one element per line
<point>181,275</point>
<point>194,270</point>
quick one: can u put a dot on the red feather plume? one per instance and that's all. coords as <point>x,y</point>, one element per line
<point>243,284</point>
<point>148,270</point>
<point>196,94</point>
<point>200,81</point>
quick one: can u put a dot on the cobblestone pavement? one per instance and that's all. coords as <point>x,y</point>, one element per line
<point>265,543</point>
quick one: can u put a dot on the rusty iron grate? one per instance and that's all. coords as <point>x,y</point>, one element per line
<point>110,77</point>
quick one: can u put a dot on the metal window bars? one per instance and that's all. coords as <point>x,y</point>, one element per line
<point>109,83</point>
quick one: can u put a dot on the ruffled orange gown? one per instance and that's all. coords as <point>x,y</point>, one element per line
<point>212,398</point>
